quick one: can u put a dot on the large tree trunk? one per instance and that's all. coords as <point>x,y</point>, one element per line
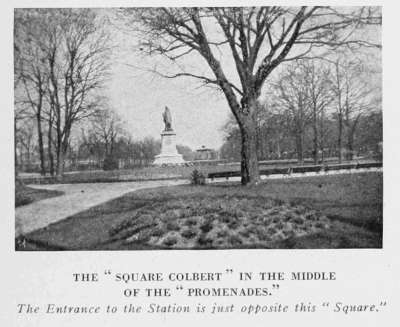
<point>249,162</point>
<point>322,137</point>
<point>21,161</point>
<point>28,155</point>
<point>40,143</point>
<point>62,148</point>
<point>59,158</point>
<point>299,149</point>
<point>350,148</point>
<point>61,155</point>
<point>278,148</point>
<point>16,164</point>
<point>60,163</point>
<point>340,137</point>
<point>50,149</point>
<point>322,148</point>
<point>350,142</point>
<point>300,145</point>
<point>315,136</point>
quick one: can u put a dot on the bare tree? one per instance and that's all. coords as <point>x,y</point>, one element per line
<point>354,96</point>
<point>106,127</point>
<point>293,97</point>
<point>258,39</point>
<point>63,64</point>
<point>30,72</point>
<point>22,113</point>
<point>318,84</point>
<point>77,58</point>
<point>25,142</point>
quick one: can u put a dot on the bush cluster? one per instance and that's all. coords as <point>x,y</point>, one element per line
<point>197,178</point>
<point>110,163</point>
<point>22,196</point>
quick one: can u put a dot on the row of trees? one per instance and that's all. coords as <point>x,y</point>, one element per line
<point>122,151</point>
<point>316,107</point>
<point>101,142</point>
<point>277,141</point>
<point>61,63</point>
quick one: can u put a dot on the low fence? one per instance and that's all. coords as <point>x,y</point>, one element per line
<point>299,169</point>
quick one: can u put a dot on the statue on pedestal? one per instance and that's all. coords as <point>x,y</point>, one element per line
<point>167,119</point>
<point>169,154</point>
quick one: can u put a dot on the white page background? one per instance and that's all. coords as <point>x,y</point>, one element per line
<point>363,275</point>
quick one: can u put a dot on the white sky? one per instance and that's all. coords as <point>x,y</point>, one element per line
<point>198,113</point>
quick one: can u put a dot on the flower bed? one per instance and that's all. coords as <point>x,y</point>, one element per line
<point>223,222</point>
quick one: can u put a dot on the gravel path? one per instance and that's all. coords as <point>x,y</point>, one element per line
<point>77,198</point>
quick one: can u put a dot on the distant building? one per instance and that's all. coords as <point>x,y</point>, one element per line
<point>205,154</point>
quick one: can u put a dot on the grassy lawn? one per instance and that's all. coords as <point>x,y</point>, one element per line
<point>25,195</point>
<point>337,211</point>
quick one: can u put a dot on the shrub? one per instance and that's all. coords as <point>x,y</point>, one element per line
<point>22,199</point>
<point>298,220</point>
<point>206,227</point>
<point>244,233</point>
<point>204,241</point>
<point>222,233</point>
<point>190,222</point>
<point>110,163</point>
<point>197,178</point>
<point>170,240</point>
<point>235,240</point>
<point>22,196</point>
<point>173,226</point>
<point>157,232</point>
<point>189,233</point>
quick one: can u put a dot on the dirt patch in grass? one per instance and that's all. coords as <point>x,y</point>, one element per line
<point>334,211</point>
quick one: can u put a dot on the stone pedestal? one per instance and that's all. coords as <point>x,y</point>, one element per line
<point>169,155</point>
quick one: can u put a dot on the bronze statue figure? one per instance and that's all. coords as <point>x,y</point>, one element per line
<point>167,119</point>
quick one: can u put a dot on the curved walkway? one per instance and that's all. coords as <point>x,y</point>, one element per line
<point>76,198</point>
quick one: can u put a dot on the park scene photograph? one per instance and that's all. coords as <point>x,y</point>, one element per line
<point>198,128</point>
